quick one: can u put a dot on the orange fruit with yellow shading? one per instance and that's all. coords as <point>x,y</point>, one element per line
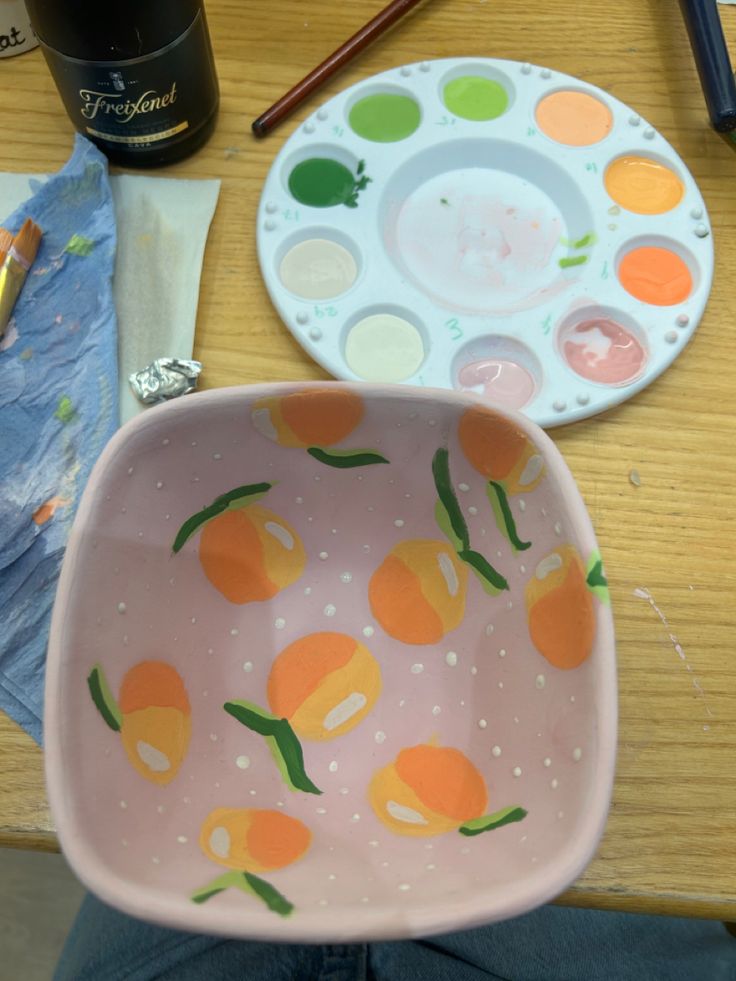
<point>253,840</point>
<point>152,715</point>
<point>499,450</point>
<point>417,594</point>
<point>430,789</point>
<point>250,554</point>
<point>560,609</point>
<point>313,417</point>
<point>324,684</point>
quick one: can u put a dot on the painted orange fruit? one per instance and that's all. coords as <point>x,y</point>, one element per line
<point>250,553</point>
<point>324,684</point>
<point>253,840</point>
<point>428,790</point>
<point>156,720</point>
<point>499,450</point>
<point>417,594</point>
<point>560,609</point>
<point>313,417</point>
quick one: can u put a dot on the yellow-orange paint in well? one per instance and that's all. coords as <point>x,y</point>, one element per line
<point>655,275</point>
<point>574,118</point>
<point>560,609</point>
<point>643,185</point>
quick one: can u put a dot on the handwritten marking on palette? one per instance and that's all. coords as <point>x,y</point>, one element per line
<point>291,214</point>
<point>592,167</point>
<point>604,271</point>
<point>328,311</point>
<point>531,131</point>
<point>641,593</point>
<point>446,121</point>
<point>338,130</point>
<point>547,323</point>
<point>453,326</point>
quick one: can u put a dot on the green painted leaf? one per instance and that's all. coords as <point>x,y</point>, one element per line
<point>443,521</point>
<point>596,579</point>
<point>345,459</point>
<point>504,518</point>
<point>220,884</point>
<point>508,815</point>
<point>441,474</point>
<point>237,498</point>
<point>282,741</point>
<point>270,896</point>
<point>104,699</point>
<point>491,580</point>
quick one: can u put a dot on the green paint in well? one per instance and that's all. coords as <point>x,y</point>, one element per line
<point>321,183</point>
<point>385,118</point>
<point>477,98</point>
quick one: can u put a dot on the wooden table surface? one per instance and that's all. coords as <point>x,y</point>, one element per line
<point>669,845</point>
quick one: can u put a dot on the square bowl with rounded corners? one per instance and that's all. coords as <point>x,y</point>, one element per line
<point>330,663</point>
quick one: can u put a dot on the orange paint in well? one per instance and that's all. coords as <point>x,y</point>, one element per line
<point>643,185</point>
<point>574,118</point>
<point>444,780</point>
<point>499,450</point>
<point>560,609</point>
<point>153,683</point>
<point>300,668</point>
<point>655,275</point>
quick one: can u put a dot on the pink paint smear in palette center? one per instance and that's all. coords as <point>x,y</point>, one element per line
<point>330,663</point>
<point>446,215</point>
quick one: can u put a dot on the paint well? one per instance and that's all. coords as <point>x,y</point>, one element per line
<point>318,269</point>
<point>602,350</point>
<point>574,118</point>
<point>321,182</point>
<point>476,98</point>
<point>480,239</point>
<point>500,380</point>
<point>643,185</point>
<point>384,347</point>
<point>385,117</point>
<point>655,275</point>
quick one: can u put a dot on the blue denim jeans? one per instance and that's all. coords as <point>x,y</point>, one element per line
<point>551,944</point>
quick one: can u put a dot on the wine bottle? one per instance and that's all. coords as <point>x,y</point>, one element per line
<point>137,78</point>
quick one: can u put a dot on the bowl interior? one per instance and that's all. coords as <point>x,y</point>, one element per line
<point>341,649</point>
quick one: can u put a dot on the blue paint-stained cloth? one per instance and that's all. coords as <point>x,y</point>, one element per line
<point>58,408</point>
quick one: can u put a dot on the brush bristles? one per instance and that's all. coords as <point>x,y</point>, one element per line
<point>6,240</point>
<point>27,241</point>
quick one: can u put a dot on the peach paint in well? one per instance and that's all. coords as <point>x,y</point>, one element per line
<point>604,351</point>
<point>643,185</point>
<point>655,275</point>
<point>502,381</point>
<point>574,118</point>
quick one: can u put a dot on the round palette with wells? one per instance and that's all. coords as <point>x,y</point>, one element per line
<point>488,226</point>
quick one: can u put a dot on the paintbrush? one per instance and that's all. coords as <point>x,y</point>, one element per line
<point>345,53</point>
<point>712,60</point>
<point>6,239</point>
<point>15,268</point>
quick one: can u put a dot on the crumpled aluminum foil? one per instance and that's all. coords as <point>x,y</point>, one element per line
<point>164,379</point>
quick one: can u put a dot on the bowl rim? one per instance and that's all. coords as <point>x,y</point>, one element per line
<point>333,924</point>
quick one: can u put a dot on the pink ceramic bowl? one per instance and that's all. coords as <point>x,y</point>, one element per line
<point>330,663</point>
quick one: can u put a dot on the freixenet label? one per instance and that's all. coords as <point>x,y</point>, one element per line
<point>153,99</point>
<point>115,103</point>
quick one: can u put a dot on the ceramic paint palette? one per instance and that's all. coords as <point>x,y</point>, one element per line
<point>330,662</point>
<point>490,226</point>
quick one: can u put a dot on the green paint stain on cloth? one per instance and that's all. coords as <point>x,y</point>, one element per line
<point>79,245</point>
<point>65,411</point>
